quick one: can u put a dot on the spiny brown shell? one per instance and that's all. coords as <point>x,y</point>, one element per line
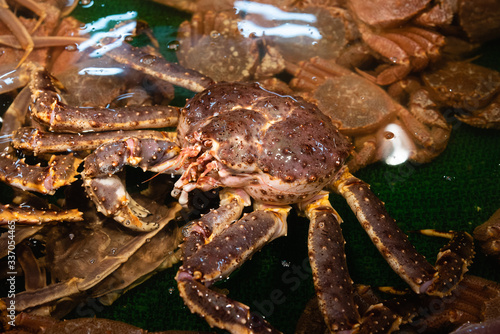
<point>258,131</point>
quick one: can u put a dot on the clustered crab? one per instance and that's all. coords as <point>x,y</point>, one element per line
<point>264,149</point>
<point>267,149</point>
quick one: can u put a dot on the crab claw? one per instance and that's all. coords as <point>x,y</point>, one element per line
<point>108,192</point>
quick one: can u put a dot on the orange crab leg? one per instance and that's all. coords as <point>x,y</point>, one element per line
<point>60,171</point>
<point>17,28</point>
<point>24,215</point>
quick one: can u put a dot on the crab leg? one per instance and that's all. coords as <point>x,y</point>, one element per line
<point>32,216</point>
<point>18,29</point>
<point>42,41</point>
<point>157,67</point>
<point>334,287</point>
<point>213,223</point>
<point>60,171</point>
<point>38,142</point>
<point>49,111</point>
<point>107,190</point>
<point>14,117</point>
<point>395,247</point>
<point>218,258</point>
<point>328,263</point>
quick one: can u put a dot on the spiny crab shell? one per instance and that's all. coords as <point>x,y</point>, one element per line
<point>279,149</point>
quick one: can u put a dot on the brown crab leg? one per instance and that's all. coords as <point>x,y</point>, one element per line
<point>61,171</point>
<point>156,66</point>
<point>329,267</point>
<point>34,276</point>
<point>107,190</point>
<point>199,232</point>
<point>14,117</point>
<point>334,287</point>
<point>219,258</point>
<point>38,142</point>
<point>394,245</point>
<point>29,215</point>
<point>49,111</point>
<point>453,259</point>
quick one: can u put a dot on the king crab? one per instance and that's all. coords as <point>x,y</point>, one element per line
<point>278,151</point>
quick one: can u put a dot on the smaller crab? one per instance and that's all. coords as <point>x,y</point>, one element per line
<point>381,127</point>
<point>410,36</point>
<point>472,90</point>
<point>213,44</point>
<point>28,33</point>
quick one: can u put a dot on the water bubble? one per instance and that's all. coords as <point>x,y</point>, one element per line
<point>87,3</point>
<point>214,34</point>
<point>148,60</point>
<point>71,47</point>
<point>174,45</point>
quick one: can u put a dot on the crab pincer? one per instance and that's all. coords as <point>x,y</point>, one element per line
<point>108,191</point>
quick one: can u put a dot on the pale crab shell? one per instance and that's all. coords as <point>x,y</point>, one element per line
<point>279,149</point>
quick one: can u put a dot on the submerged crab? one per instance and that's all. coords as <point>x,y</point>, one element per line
<point>280,151</point>
<point>380,127</point>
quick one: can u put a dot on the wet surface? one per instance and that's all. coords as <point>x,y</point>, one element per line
<point>458,190</point>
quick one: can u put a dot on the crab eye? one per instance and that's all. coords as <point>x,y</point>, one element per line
<point>207,143</point>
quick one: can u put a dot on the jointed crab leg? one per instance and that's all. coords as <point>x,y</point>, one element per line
<point>48,110</point>
<point>213,223</point>
<point>218,258</point>
<point>334,287</point>
<point>395,247</point>
<point>18,29</point>
<point>61,171</point>
<point>108,191</point>
<point>39,142</point>
<point>158,67</point>
<point>328,263</point>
